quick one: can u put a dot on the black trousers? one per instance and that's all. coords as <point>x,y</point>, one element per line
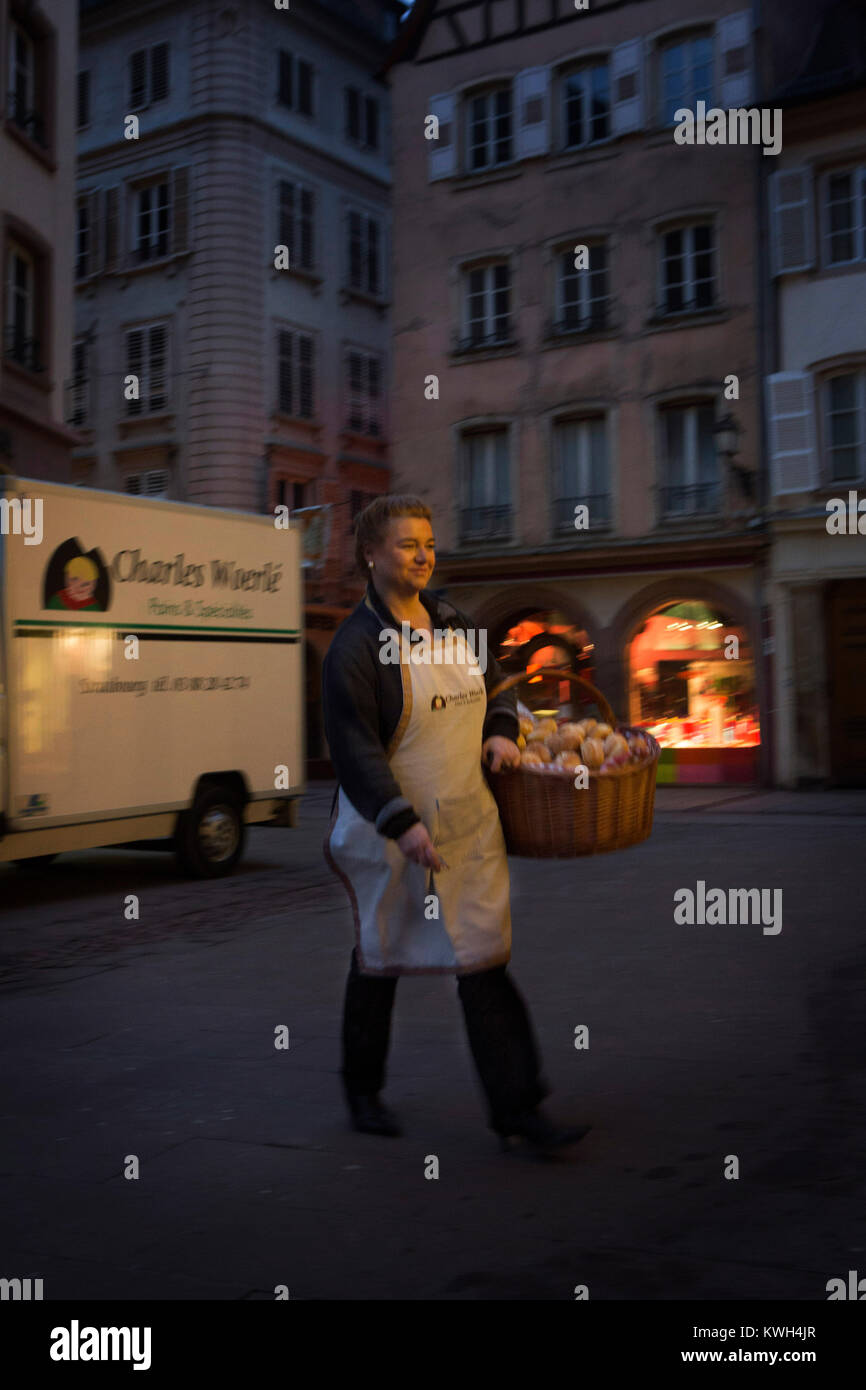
<point>498,1027</point>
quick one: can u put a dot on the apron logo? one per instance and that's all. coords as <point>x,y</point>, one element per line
<point>438,702</point>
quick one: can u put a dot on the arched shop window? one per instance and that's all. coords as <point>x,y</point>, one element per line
<point>692,679</point>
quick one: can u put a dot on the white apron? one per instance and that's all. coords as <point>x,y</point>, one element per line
<point>435,756</point>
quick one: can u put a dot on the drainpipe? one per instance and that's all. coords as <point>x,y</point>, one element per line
<point>767,349</point>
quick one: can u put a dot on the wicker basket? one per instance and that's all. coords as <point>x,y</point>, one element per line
<point>543,814</point>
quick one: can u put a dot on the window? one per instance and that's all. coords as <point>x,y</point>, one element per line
<point>147,359</point>
<point>485,513</point>
<point>295,384</point>
<point>581,471</point>
<point>26,94</point>
<point>361,119</point>
<point>153,483</point>
<point>845,216</point>
<point>582,296</point>
<point>82,239</point>
<point>487,305</point>
<point>585,105</point>
<point>83,103</point>
<point>151,221</point>
<point>78,396</point>
<point>489,129</point>
<point>690,470</point>
<point>685,73</point>
<point>294,83</point>
<point>21,337</point>
<point>296,224</point>
<point>688,269</point>
<point>358,500</point>
<point>364,393</point>
<point>364,253</point>
<point>148,75</point>
<point>845,426</point>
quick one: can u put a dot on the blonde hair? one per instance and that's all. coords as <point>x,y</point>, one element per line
<point>79,567</point>
<point>371,525</point>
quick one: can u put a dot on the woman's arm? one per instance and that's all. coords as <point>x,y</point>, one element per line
<point>351,717</point>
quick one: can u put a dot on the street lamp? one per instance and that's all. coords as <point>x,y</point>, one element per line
<point>727,433</point>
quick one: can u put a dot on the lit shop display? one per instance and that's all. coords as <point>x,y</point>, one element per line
<point>692,685</point>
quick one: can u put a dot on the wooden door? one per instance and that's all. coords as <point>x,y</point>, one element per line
<point>846,662</point>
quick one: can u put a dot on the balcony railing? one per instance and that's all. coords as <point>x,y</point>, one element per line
<point>31,122</point>
<point>597,503</point>
<point>596,321</point>
<point>699,499</point>
<point>485,523</point>
<point>500,338</point>
<point>25,351</point>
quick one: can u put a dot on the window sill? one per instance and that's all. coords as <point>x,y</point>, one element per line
<point>484,177</point>
<point>45,154</point>
<point>374,301</point>
<point>355,437</point>
<point>167,263</point>
<point>576,336</point>
<point>311,423</point>
<point>691,319</point>
<point>39,379</point>
<point>299,272</point>
<point>146,421</point>
<point>568,159</point>
<point>457,356</point>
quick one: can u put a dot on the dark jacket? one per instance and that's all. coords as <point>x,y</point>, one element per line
<point>362,699</point>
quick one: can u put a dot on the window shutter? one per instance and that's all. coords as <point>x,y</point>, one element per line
<point>180,210</point>
<point>793,457</point>
<point>442,153</point>
<point>134,367</point>
<point>155,483</point>
<point>157,368</point>
<point>626,79</point>
<point>533,122</point>
<point>306,382</point>
<point>83,99</point>
<point>109,261</point>
<point>138,78</point>
<point>353,117</point>
<point>284,351</point>
<point>734,35</point>
<point>159,72</point>
<point>791,220</point>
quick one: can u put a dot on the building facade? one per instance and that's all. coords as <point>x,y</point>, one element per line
<point>578,366</point>
<point>38,45</point>
<point>816,406</point>
<point>232,257</point>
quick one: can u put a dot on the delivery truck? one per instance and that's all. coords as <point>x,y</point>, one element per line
<point>151,674</point>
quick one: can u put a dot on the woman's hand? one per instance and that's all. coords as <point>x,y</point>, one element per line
<point>500,752</point>
<point>417,846</point>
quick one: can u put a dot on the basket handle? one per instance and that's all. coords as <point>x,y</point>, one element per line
<point>521,676</point>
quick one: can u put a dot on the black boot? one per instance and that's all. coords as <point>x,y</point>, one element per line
<point>540,1132</point>
<point>370,1116</point>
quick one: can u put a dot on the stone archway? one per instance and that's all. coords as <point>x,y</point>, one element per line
<point>507,603</point>
<point>673,589</point>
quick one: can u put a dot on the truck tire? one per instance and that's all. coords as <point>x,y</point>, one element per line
<point>36,861</point>
<point>210,836</point>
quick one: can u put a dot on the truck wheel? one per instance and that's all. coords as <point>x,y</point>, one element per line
<point>210,836</point>
<point>36,861</point>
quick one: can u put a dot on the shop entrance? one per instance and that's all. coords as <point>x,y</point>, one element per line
<point>692,685</point>
<point>846,653</point>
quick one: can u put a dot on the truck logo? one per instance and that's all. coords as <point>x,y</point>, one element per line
<point>76,581</point>
<point>34,805</point>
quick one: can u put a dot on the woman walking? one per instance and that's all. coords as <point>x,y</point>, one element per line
<point>415,835</point>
